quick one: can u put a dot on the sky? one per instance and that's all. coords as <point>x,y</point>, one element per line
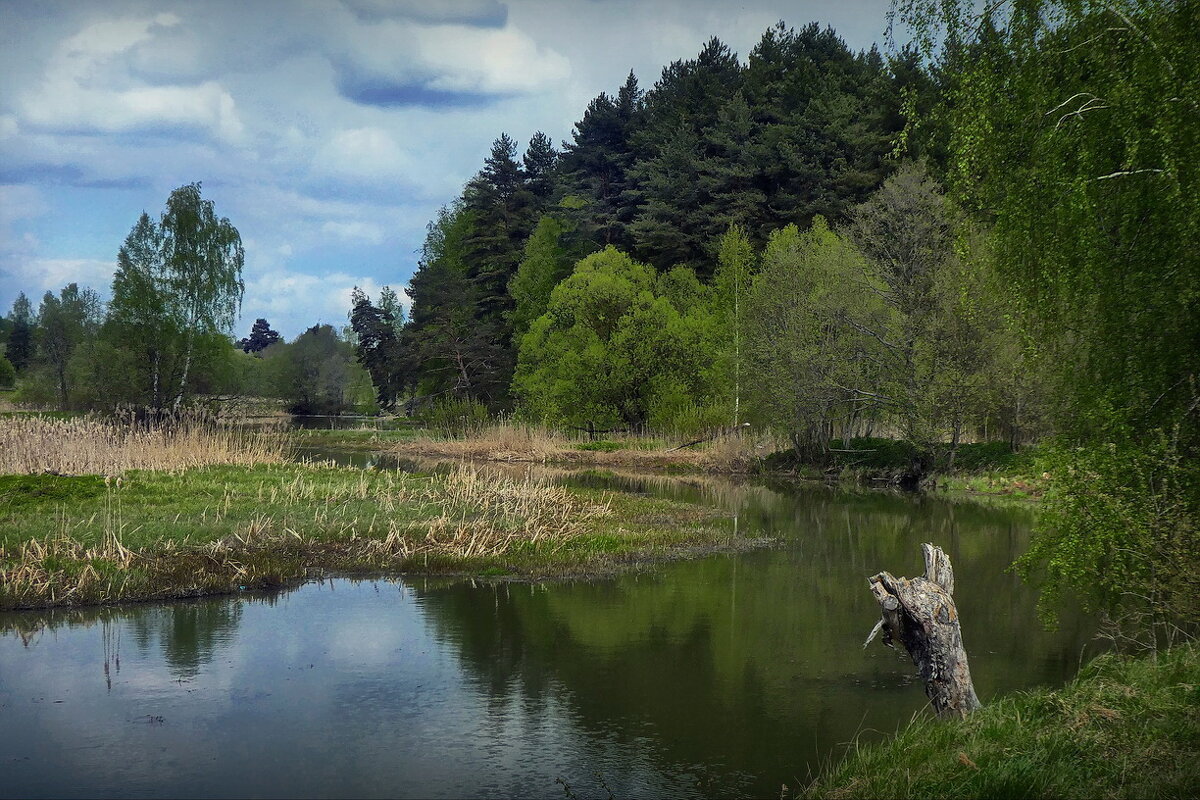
<point>328,132</point>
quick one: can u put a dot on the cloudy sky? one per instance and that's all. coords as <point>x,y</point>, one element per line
<point>328,132</point>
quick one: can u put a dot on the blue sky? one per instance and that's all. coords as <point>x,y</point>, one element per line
<point>328,132</point>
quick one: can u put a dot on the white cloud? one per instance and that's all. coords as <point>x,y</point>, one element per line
<point>454,58</point>
<point>362,154</point>
<point>87,87</point>
<point>295,301</point>
<point>19,201</point>
<point>36,276</point>
<point>367,232</point>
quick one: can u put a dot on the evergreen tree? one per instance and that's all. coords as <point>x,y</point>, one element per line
<point>668,227</point>
<point>454,349</point>
<point>20,345</point>
<point>377,345</point>
<point>541,166</point>
<point>596,163</point>
<point>261,337</point>
<point>499,205</point>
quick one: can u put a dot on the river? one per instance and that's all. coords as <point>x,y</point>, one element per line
<point>729,675</point>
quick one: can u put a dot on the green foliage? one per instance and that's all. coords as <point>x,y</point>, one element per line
<point>1118,529</point>
<point>454,417</point>
<point>1073,127</point>
<point>316,372</point>
<point>454,349</point>
<point>19,348</point>
<point>64,323</point>
<point>731,289</point>
<point>178,286</point>
<point>377,343</point>
<point>617,346</point>
<point>816,333</point>
<point>546,262</point>
<point>8,374</point>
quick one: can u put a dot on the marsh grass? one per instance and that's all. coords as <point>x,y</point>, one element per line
<point>514,441</point>
<point>32,443</point>
<point>1123,728</point>
<point>157,534</point>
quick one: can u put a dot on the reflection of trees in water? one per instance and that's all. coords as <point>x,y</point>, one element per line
<point>111,636</point>
<point>189,633</point>
<point>755,661</point>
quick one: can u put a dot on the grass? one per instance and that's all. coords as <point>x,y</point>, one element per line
<point>1124,728</point>
<point>363,439</point>
<point>67,540</point>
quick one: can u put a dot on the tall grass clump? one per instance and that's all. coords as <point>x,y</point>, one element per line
<point>34,444</point>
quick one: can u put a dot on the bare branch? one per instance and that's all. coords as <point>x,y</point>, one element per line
<point>1123,173</point>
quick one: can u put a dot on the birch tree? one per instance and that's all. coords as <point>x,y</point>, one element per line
<point>177,286</point>
<point>202,259</point>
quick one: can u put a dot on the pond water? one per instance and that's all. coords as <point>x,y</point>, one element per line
<point>731,675</point>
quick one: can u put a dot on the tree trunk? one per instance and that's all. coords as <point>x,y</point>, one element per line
<point>187,363</point>
<point>920,613</point>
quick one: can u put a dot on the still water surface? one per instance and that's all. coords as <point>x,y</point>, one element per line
<point>724,676</point>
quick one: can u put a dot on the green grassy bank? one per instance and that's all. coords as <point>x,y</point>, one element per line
<point>88,539</point>
<point>1123,728</point>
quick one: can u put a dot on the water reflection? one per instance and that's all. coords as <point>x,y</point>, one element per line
<point>724,676</point>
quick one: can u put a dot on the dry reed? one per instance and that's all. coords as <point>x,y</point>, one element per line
<point>513,441</point>
<point>31,444</point>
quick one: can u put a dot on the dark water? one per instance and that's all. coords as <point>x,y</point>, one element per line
<point>724,676</point>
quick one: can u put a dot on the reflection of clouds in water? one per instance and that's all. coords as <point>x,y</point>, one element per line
<point>436,685</point>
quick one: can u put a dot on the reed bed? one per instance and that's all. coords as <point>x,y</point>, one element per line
<point>511,441</point>
<point>32,444</point>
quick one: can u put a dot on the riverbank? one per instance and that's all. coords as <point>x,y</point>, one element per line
<point>149,535</point>
<point>733,453</point>
<point>1122,728</point>
<point>983,469</point>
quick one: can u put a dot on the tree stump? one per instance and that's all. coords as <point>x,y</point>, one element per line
<point>920,613</point>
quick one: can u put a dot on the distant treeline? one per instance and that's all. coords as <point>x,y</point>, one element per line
<point>763,240</point>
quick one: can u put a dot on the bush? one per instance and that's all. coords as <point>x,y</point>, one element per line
<point>455,417</point>
<point>1118,529</point>
<point>8,374</point>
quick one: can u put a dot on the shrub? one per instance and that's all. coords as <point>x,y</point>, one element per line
<point>455,417</point>
<point>8,374</point>
<point>1118,529</point>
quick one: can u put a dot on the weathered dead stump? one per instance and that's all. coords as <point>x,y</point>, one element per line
<point>920,613</point>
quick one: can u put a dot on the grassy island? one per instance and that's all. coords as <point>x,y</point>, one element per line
<point>106,518</point>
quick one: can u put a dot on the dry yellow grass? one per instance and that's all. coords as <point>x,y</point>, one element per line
<point>31,444</point>
<point>520,442</point>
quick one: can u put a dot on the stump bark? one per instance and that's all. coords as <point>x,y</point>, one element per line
<point>920,614</point>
